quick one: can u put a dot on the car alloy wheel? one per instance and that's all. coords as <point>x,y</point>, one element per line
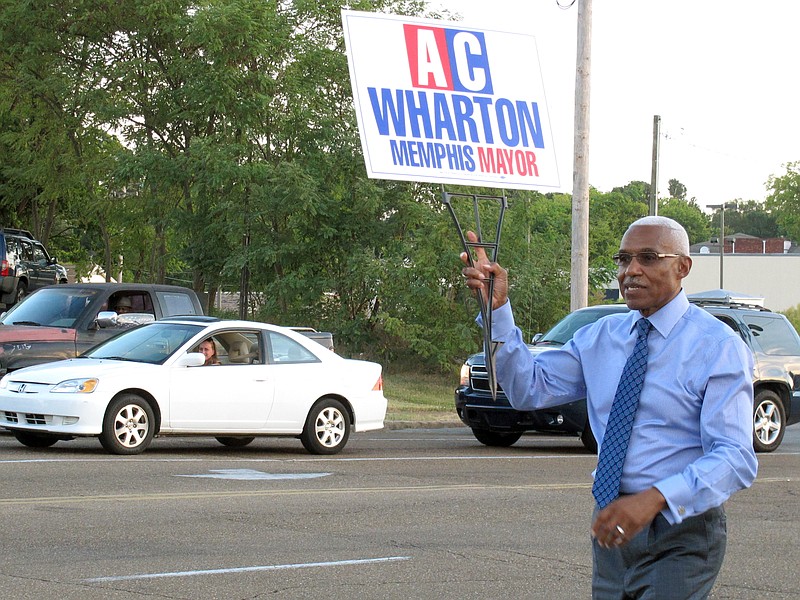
<point>129,425</point>
<point>769,421</point>
<point>327,427</point>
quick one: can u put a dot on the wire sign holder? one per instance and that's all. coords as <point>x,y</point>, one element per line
<point>491,248</point>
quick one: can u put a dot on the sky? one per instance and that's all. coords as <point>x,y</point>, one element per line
<point>721,74</point>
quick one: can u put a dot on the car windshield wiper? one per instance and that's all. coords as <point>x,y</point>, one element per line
<point>114,358</point>
<point>34,323</point>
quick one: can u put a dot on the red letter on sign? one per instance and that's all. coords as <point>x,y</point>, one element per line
<point>428,59</point>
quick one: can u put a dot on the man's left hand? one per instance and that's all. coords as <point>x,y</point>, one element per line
<point>626,516</point>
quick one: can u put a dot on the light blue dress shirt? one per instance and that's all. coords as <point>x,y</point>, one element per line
<point>692,436</point>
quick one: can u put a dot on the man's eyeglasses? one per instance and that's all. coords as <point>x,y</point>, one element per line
<point>645,259</point>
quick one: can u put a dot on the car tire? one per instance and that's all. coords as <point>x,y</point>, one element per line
<point>327,427</point>
<point>588,440</point>
<point>769,421</point>
<point>129,425</point>
<point>234,442</point>
<point>22,291</point>
<point>35,440</point>
<point>498,439</point>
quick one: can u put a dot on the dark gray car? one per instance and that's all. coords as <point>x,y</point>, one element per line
<point>58,322</point>
<point>25,266</point>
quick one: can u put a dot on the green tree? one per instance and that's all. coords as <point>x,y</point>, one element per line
<point>752,218</point>
<point>676,189</point>
<point>638,191</point>
<point>688,214</point>
<point>783,200</point>
<point>53,145</point>
<point>609,216</point>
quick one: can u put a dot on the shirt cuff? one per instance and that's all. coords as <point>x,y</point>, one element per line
<point>678,496</point>
<point>502,322</point>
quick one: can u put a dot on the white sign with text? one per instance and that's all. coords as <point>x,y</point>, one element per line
<point>442,102</point>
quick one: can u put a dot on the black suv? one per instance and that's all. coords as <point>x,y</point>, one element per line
<point>25,266</point>
<point>776,380</point>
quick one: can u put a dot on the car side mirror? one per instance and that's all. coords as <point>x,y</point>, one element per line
<point>109,318</point>
<point>190,359</point>
<point>536,338</point>
<point>106,318</point>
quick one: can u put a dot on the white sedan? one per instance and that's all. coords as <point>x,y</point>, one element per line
<point>152,380</point>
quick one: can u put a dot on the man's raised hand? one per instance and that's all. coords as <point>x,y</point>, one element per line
<point>482,268</point>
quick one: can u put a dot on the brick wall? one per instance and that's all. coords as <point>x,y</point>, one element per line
<point>755,246</point>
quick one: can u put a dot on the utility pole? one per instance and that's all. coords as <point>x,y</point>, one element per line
<point>579,280</point>
<point>654,172</point>
<point>721,208</point>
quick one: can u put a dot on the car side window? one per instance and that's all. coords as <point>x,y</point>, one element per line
<point>130,302</point>
<point>239,348</point>
<point>26,252</point>
<point>774,335</point>
<point>12,250</point>
<point>732,324</point>
<point>175,303</point>
<point>39,255</point>
<point>283,349</point>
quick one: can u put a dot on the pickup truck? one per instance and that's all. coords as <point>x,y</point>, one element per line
<point>62,321</point>
<point>323,338</point>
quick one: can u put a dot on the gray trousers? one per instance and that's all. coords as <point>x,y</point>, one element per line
<point>663,561</point>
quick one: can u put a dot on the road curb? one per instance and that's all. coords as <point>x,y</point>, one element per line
<point>422,424</point>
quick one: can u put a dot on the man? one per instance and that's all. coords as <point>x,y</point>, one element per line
<point>123,305</point>
<point>660,531</point>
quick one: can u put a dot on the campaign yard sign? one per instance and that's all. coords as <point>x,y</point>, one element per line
<point>444,102</point>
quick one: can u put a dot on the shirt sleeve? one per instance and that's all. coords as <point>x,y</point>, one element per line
<point>552,378</point>
<point>728,462</point>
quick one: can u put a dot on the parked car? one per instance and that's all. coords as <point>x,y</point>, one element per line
<point>776,380</point>
<point>25,266</point>
<point>62,321</point>
<point>151,381</point>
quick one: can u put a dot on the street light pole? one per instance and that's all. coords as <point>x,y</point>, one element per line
<point>721,208</point>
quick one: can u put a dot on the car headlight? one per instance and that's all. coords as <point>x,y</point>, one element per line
<point>77,386</point>
<point>464,374</point>
<point>4,382</point>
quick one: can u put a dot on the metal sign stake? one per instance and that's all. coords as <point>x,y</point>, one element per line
<point>491,248</point>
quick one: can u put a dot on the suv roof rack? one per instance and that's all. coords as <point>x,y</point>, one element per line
<point>728,304</point>
<point>19,232</point>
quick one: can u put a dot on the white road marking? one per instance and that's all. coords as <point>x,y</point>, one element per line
<point>121,460</point>
<point>253,475</point>
<point>337,563</point>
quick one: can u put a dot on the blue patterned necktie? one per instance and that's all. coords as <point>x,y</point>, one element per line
<point>620,421</point>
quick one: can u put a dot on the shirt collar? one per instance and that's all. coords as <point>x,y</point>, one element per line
<point>666,317</point>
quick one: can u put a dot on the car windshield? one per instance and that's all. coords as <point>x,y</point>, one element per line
<point>51,307</point>
<point>563,331</point>
<point>153,343</point>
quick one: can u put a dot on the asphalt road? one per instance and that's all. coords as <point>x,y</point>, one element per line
<point>416,513</point>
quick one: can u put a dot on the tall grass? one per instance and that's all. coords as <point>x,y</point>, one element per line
<point>418,396</point>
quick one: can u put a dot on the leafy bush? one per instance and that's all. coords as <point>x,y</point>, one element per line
<point>793,314</point>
